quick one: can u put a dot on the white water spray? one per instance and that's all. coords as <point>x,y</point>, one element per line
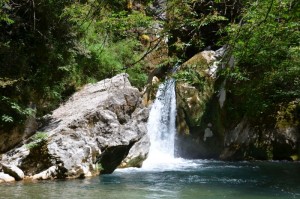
<point>162,127</point>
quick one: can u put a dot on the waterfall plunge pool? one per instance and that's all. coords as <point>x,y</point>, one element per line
<point>186,179</point>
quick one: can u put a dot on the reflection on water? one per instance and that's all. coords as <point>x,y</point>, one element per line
<point>190,179</point>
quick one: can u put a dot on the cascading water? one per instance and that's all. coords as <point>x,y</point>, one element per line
<point>162,127</point>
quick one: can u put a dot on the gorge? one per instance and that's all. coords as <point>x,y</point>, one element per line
<point>107,124</point>
<point>162,175</point>
<point>150,99</point>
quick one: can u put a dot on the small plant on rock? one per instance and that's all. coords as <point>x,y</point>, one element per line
<point>37,140</point>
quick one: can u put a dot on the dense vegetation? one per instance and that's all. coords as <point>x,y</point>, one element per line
<point>265,43</point>
<point>50,48</point>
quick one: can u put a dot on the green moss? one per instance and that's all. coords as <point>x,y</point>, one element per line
<point>198,61</point>
<point>287,115</point>
<point>193,99</point>
<point>99,167</point>
<point>295,157</point>
<point>136,162</point>
<point>4,82</point>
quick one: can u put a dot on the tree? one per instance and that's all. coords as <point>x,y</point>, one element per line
<point>50,48</point>
<point>265,44</point>
<point>37,46</point>
<point>196,25</point>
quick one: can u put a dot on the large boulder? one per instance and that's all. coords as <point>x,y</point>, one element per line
<point>199,135</point>
<point>93,131</point>
<point>13,170</point>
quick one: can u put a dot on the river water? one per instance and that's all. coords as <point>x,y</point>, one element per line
<point>185,179</point>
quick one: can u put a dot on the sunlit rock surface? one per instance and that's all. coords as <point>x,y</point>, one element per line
<point>92,132</point>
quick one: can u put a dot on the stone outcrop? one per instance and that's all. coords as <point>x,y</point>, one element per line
<point>94,131</point>
<point>6,178</point>
<point>198,136</point>
<point>13,171</point>
<point>50,173</point>
<point>208,127</point>
<point>248,142</point>
<point>14,137</point>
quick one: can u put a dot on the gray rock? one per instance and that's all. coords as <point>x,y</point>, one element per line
<point>6,178</point>
<point>137,154</point>
<point>14,171</point>
<point>50,173</point>
<point>207,133</point>
<point>98,125</point>
<point>244,142</point>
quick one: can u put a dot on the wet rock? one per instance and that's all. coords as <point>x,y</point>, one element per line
<point>46,175</point>
<point>139,151</point>
<point>137,154</point>
<point>247,142</point>
<point>207,133</point>
<point>6,178</point>
<point>195,107</point>
<point>13,171</point>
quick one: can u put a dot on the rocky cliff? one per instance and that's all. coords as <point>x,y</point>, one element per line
<point>100,127</point>
<point>210,123</point>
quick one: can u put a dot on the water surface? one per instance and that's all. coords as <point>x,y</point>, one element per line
<point>185,179</point>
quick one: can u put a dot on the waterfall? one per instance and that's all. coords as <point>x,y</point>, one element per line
<point>162,126</point>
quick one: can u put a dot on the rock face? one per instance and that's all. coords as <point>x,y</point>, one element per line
<point>14,171</point>
<point>208,127</point>
<point>198,136</point>
<point>247,142</point>
<point>94,130</point>
<point>10,139</point>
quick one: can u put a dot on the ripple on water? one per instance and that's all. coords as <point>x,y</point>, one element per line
<point>195,179</point>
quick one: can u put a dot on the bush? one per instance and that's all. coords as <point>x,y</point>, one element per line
<point>37,140</point>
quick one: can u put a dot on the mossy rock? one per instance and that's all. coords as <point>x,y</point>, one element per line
<point>295,157</point>
<point>288,115</point>
<point>192,101</point>
<point>200,62</point>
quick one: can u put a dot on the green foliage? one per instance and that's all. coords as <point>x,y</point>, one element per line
<point>194,25</point>
<point>99,167</point>
<point>7,118</point>
<point>38,139</point>
<point>234,74</point>
<point>137,76</point>
<point>125,25</point>
<point>33,50</point>
<point>266,46</point>
<point>110,42</point>
<point>50,48</point>
<point>12,111</point>
<point>192,77</point>
<point>4,17</point>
